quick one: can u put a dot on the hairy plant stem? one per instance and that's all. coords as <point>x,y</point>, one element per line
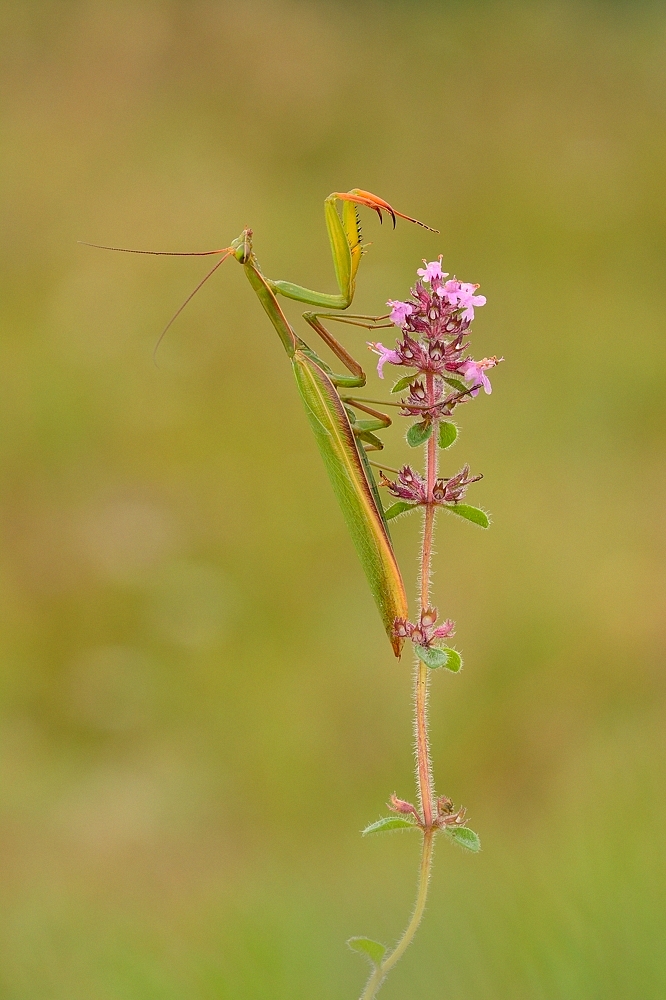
<point>423,763</point>
<point>424,770</point>
<point>381,972</point>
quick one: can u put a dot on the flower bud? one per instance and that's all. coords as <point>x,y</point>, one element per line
<point>444,805</point>
<point>400,628</point>
<point>429,617</point>
<point>399,805</point>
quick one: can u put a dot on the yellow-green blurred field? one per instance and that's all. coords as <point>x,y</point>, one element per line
<point>199,707</point>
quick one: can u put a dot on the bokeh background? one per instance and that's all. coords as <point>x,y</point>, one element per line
<point>199,708</point>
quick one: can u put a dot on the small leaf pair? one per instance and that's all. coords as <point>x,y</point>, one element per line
<point>420,432</point>
<point>473,514</point>
<point>439,656</point>
<point>461,835</point>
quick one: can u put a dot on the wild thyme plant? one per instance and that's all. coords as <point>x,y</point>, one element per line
<point>434,324</point>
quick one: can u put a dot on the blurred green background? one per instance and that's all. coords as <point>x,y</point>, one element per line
<point>199,707</point>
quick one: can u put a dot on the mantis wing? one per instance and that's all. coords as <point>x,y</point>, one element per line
<point>366,524</point>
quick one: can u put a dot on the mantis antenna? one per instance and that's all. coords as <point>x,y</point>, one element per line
<point>155,253</point>
<point>170,253</point>
<point>188,299</point>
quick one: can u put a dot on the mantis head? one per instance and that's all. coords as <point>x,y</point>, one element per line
<point>241,247</point>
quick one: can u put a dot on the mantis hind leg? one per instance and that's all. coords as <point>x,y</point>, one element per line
<point>367,440</point>
<point>364,429</point>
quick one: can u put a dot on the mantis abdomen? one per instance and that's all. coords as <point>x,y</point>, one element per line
<point>350,480</point>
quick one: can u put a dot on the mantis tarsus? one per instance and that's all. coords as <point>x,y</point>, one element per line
<point>343,437</point>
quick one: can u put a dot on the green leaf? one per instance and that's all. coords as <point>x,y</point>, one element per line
<point>453,659</point>
<point>419,433</point>
<point>439,656</point>
<point>471,513</point>
<point>402,383</point>
<point>398,508</point>
<point>431,656</point>
<point>390,823</point>
<point>456,384</point>
<point>447,434</point>
<point>464,837</point>
<point>369,948</point>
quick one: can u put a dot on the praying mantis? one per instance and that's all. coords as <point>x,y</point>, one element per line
<point>344,439</point>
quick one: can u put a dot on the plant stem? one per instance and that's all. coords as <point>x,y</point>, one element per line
<point>423,767</point>
<point>380,973</point>
<point>423,764</point>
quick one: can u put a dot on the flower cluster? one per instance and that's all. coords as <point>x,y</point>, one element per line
<point>424,632</point>
<point>447,814</point>
<point>430,357</point>
<point>410,485</point>
<point>433,324</point>
<point>454,489</point>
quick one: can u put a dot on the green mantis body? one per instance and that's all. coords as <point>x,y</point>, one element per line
<point>343,439</point>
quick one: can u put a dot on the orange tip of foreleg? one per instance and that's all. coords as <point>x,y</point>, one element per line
<point>379,205</point>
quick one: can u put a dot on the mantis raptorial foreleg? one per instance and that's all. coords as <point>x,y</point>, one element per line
<point>345,239</point>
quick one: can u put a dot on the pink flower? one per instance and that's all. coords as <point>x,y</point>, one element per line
<point>385,354</point>
<point>445,630</point>
<point>475,371</point>
<point>467,300</point>
<point>461,294</point>
<point>399,312</point>
<point>450,291</point>
<point>432,271</point>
